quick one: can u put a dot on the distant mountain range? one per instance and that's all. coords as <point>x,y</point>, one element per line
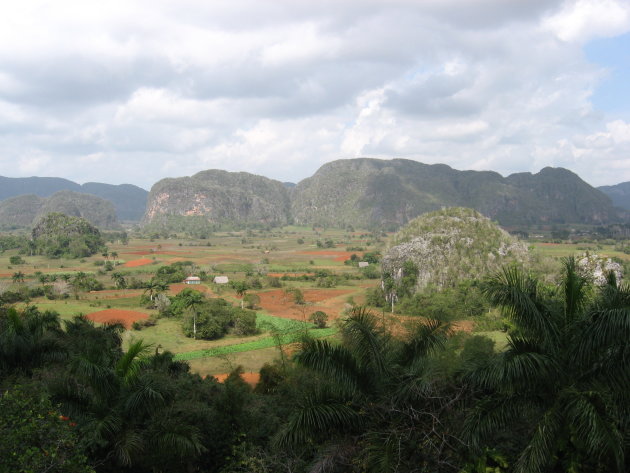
<point>619,194</point>
<point>129,201</point>
<point>25,210</point>
<point>389,193</point>
<point>359,192</point>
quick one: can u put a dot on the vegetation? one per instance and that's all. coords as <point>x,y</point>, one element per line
<point>57,235</point>
<point>524,370</point>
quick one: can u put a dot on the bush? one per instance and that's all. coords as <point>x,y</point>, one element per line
<point>16,260</point>
<point>244,322</point>
<point>319,318</point>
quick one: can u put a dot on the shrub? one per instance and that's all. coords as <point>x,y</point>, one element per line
<point>319,318</point>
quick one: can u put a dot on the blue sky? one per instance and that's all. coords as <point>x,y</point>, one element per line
<point>134,92</point>
<point>612,94</point>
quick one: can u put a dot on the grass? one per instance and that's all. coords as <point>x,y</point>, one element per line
<point>266,342</point>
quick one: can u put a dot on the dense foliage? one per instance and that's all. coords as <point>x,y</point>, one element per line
<point>57,235</point>
<point>377,398</point>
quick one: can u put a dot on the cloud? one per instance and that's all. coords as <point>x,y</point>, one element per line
<point>137,91</point>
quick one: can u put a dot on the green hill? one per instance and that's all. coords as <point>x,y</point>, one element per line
<point>619,194</point>
<point>389,193</point>
<point>129,201</point>
<point>25,210</point>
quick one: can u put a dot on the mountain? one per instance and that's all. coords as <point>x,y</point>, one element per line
<point>25,210</point>
<point>619,194</point>
<point>388,193</point>
<point>450,245</point>
<point>221,197</point>
<point>129,200</point>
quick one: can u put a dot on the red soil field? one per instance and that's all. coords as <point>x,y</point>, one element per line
<point>330,301</point>
<point>159,252</point>
<point>137,262</point>
<point>250,378</point>
<point>126,317</point>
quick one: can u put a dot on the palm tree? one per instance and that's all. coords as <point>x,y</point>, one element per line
<point>119,280</point>
<point>366,394</point>
<point>113,395</point>
<point>155,287</point>
<point>192,301</point>
<point>566,373</point>
<point>240,287</point>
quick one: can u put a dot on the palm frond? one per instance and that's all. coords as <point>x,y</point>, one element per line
<point>144,396</point>
<point>542,446</point>
<point>519,297</point>
<point>333,361</point>
<point>318,414</point>
<point>491,414</point>
<point>523,367</point>
<point>425,338</point>
<point>574,288</point>
<point>129,365</point>
<point>366,340</point>
<point>589,415</point>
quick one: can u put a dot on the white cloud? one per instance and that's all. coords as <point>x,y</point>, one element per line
<point>135,91</point>
<point>583,20</point>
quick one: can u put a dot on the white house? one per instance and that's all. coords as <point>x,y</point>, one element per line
<point>221,280</point>
<point>192,280</point>
<point>363,264</point>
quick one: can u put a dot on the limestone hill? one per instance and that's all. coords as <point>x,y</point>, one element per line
<point>451,245</point>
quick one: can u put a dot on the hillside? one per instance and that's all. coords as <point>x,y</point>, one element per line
<point>389,193</point>
<point>25,210</point>
<point>221,197</point>
<point>619,194</point>
<point>450,245</point>
<point>128,200</point>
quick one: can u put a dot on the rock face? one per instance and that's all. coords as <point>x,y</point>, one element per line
<point>222,197</point>
<point>25,210</point>
<point>596,268</point>
<point>451,245</point>
<point>389,193</point>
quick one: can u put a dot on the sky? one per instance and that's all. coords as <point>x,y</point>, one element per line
<point>136,91</point>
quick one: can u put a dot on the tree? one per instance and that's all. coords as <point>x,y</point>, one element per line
<point>18,277</point>
<point>119,280</point>
<point>565,374</point>
<point>154,287</point>
<point>35,437</point>
<point>240,287</point>
<point>192,300</point>
<point>370,398</point>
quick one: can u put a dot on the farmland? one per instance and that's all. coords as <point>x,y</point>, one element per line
<point>294,256</point>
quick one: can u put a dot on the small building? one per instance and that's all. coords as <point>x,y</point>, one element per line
<point>192,280</point>
<point>363,264</point>
<point>221,280</point>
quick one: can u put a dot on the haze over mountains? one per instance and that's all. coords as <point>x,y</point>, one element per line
<point>129,201</point>
<point>360,192</point>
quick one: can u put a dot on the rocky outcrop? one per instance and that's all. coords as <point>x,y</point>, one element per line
<point>451,245</point>
<point>221,197</point>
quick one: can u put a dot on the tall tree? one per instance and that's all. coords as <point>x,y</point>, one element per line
<point>565,373</point>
